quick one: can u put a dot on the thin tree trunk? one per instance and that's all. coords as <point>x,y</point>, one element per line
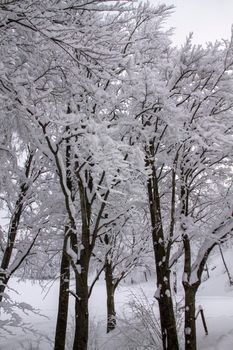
<point>225,264</point>
<point>4,276</point>
<point>13,229</point>
<point>63,303</point>
<point>190,298</point>
<point>190,322</point>
<point>110,289</point>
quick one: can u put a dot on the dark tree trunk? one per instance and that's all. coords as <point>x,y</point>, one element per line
<point>166,311</point>
<point>4,280</point>
<point>190,322</point>
<point>110,289</point>
<point>162,255</point>
<point>82,268</point>
<point>63,303</point>
<point>81,311</point>
<point>13,229</point>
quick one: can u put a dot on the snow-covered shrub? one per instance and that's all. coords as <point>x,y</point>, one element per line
<point>139,329</point>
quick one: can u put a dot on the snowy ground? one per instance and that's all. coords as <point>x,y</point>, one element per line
<point>215,296</point>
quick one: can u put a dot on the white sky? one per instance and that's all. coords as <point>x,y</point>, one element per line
<point>207,19</point>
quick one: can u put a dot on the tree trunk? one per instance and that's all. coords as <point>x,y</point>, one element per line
<point>162,255</point>
<point>81,301</point>
<point>81,312</point>
<point>110,289</point>
<point>63,303</point>
<point>12,232</point>
<point>190,322</point>
<point>225,264</point>
<point>190,297</point>
<point>166,311</point>
<point>3,280</point>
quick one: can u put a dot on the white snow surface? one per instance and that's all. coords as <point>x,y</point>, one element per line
<point>215,296</point>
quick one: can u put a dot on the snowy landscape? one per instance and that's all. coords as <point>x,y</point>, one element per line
<point>215,296</point>
<point>116,179</point>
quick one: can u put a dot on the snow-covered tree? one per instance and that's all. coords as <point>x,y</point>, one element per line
<point>202,173</point>
<point>103,120</point>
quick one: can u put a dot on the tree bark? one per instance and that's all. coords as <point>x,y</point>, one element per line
<point>190,321</point>
<point>81,310</point>
<point>110,289</point>
<point>162,256</point>
<point>81,270</point>
<point>63,303</point>
<point>166,311</point>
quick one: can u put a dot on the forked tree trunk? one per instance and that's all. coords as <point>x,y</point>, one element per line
<point>110,289</point>
<point>63,303</point>
<point>81,267</point>
<point>162,254</point>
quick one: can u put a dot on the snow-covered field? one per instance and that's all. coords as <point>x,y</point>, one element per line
<point>215,296</point>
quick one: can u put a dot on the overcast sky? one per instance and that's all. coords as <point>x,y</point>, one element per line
<point>208,19</point>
